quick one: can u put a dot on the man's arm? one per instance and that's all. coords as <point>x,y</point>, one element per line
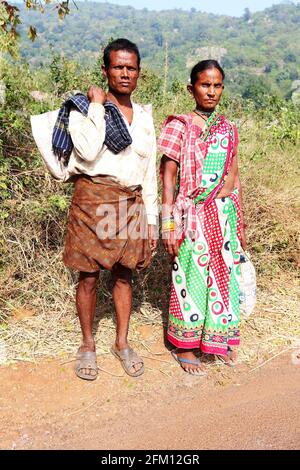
<point>150,195</point>
<point>88,132</point>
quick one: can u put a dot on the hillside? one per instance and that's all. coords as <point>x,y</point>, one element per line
<point>260,49</point>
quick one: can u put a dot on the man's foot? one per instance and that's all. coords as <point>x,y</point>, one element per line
<point>86,365</point>
<point>130,361</point>
<point>189,362</point>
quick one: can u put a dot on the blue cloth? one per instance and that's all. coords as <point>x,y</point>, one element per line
<point>117,136</point>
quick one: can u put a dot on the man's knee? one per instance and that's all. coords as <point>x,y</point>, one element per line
<point>122,276</point>
<point>88,281</point>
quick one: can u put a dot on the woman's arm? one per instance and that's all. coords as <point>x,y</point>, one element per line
<point>169,177</point>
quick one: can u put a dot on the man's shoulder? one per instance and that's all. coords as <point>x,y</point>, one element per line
<point>144,108</point>
<point>144,111</point>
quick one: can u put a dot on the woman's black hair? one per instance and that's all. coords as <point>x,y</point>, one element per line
<point>205,65</point>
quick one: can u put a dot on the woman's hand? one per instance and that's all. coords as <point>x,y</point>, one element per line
<point>243,239</point>
<point>170,243</point>
<point>169,170</point>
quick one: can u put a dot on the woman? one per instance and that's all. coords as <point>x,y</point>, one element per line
<point>202,225</point>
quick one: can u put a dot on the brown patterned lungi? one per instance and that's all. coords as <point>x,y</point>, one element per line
<point>125,238</point>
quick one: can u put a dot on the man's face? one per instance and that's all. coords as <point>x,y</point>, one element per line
<point>208,89</point>
<point>122,73</point>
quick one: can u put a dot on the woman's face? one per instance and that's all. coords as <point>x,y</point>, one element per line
<point>208,89</point>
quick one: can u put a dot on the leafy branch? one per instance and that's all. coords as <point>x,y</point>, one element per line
<point>10,16</point>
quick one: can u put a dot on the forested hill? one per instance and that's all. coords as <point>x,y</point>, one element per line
<point>261,48</point>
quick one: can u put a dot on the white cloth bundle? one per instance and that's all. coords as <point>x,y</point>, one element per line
<point>247,285</point>
<point>42,128</point>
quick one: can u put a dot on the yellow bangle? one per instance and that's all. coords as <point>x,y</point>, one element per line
<point>168,225</point>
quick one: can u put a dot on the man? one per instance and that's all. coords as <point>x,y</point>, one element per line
<point>206,214</point>
<point>113,194</point>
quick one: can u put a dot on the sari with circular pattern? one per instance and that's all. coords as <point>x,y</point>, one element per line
<point>204,303</point>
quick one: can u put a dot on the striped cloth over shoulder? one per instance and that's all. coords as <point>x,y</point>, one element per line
<point>170,140</point>
<point>117,136</point>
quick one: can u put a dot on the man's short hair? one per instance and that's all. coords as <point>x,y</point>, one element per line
<point>120,45</point>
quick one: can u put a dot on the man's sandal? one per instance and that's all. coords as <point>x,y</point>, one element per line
<point>129,358</point>
<point>86,360</point>
<point>181,361</point>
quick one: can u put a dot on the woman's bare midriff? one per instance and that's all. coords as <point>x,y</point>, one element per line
<point>229,184</point>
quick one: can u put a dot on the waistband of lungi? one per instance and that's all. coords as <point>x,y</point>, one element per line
<point>112,182</point>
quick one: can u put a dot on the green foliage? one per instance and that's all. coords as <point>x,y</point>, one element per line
<point>10,20</point>
<point>150,88</point>
<point>58,201</point>
<point>63,73</point>
<point>263,45</point>
<point>286,126</point>
<point>97,76</point>
<point>257,89</point>
<point>4,187</point>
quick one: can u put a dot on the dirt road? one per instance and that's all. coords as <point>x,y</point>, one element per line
<point>43,406</point>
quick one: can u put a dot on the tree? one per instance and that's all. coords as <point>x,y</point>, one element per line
<point>257,89</point>
<point>246,15</point>
<point>10,19</point>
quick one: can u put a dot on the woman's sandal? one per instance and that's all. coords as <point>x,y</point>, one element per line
<point>128,358</point>
<point>229,361</point>
<point>86,360</point>
<point>181,361</point>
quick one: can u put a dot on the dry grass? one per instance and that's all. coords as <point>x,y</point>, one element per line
<point>37,309</point>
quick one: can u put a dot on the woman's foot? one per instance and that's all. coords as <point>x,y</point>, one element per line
<point>189,362</point>
<point>231,357</point>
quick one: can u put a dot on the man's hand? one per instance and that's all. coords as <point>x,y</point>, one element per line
<point>170,243</point>
<point>96,95</point>
<point>152,236</point>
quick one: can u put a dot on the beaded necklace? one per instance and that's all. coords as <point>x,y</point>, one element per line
<point>209,122</point>
<point>207,114</point>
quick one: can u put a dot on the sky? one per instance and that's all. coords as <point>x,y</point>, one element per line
<point>225,7</point>
<point>222,7</point>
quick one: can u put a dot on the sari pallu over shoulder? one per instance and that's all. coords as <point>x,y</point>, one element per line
<point>196,150</point>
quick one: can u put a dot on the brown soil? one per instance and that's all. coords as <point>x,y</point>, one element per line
<point>44,406</point>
